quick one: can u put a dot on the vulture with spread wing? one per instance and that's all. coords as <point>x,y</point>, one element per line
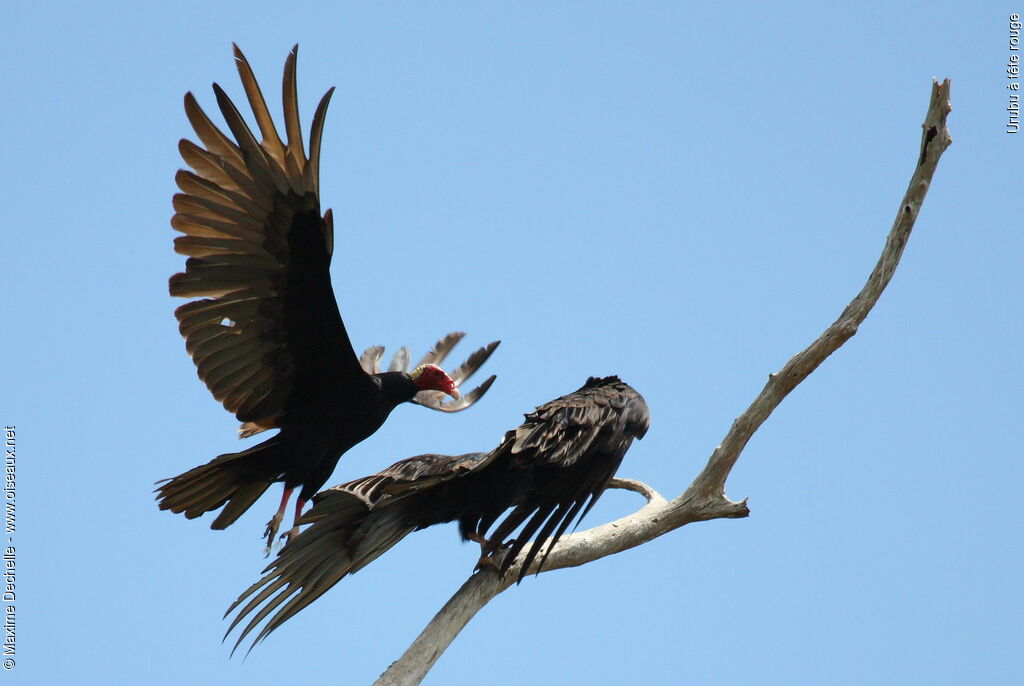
<point>550,471</point>
<point>266,335</point>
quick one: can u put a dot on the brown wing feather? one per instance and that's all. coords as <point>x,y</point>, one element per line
<point>266,335</point>
<point>353,524</point>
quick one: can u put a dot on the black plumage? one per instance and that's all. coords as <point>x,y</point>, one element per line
<point>267,337</point>
<point>544,475</point>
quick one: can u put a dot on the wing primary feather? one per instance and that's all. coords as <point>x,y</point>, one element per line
<point>262,169</point>
<point>549,526</point>
<point>400,362</point>
<point>563,525</point>
<point>260,616</point>
<point>473,362</point>
<point>290,99</point>
<point>525,535</point>
<point>316,132</point>
<point>439,352</point>
<point>269,584</point>
<point>370,359</point>
<point>435,400</point>
<point>271,141</point>
<point>211,136</point>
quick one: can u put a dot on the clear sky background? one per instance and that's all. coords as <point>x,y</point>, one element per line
<point>680,195</point>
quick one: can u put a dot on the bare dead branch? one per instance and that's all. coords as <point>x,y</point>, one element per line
<point>637,487</point>
<point>705,498</point>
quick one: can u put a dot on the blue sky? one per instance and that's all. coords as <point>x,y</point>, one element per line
<point>683,196</point>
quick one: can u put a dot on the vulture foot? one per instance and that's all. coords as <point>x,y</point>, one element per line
<point>272,526</point>
<point>287,536</point>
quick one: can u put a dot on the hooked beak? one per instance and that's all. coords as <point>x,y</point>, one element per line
<point>454,392</point>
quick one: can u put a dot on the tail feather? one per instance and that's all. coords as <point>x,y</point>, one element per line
<point>238,479</point>
<point>243,498</point>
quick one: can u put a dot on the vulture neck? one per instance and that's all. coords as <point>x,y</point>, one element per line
<point>396,387</point>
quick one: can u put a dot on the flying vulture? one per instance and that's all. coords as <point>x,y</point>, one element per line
<point>549,471</point>
<point>266,335</point>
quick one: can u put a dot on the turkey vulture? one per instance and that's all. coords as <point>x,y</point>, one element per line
<point>267,337</point>
<point>550,470</point>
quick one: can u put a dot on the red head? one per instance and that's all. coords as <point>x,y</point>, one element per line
<point>430,377</point>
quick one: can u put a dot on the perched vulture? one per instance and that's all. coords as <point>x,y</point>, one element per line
<point>549,471</point>
<point>266,335</point>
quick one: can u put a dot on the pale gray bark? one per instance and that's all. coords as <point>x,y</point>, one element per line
<point>705,498</point>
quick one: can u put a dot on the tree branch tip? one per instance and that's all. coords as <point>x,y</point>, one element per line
<point>941,87</point>
<point>640,487</point>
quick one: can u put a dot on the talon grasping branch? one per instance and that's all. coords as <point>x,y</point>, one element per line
<point>267,337</point>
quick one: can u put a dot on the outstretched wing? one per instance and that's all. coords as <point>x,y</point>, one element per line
<point>266,336</point>
<point>354,524</point>
<point>436,400</point>
<point>572,447</point>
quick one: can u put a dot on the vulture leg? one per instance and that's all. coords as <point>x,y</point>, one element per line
<point>485,559</point>
<point>294,531</point>
<point>275,522</point>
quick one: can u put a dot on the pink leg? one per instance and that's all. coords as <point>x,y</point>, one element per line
<point>294,531</point>
<point>485,559</point>
<point>275,523</point>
